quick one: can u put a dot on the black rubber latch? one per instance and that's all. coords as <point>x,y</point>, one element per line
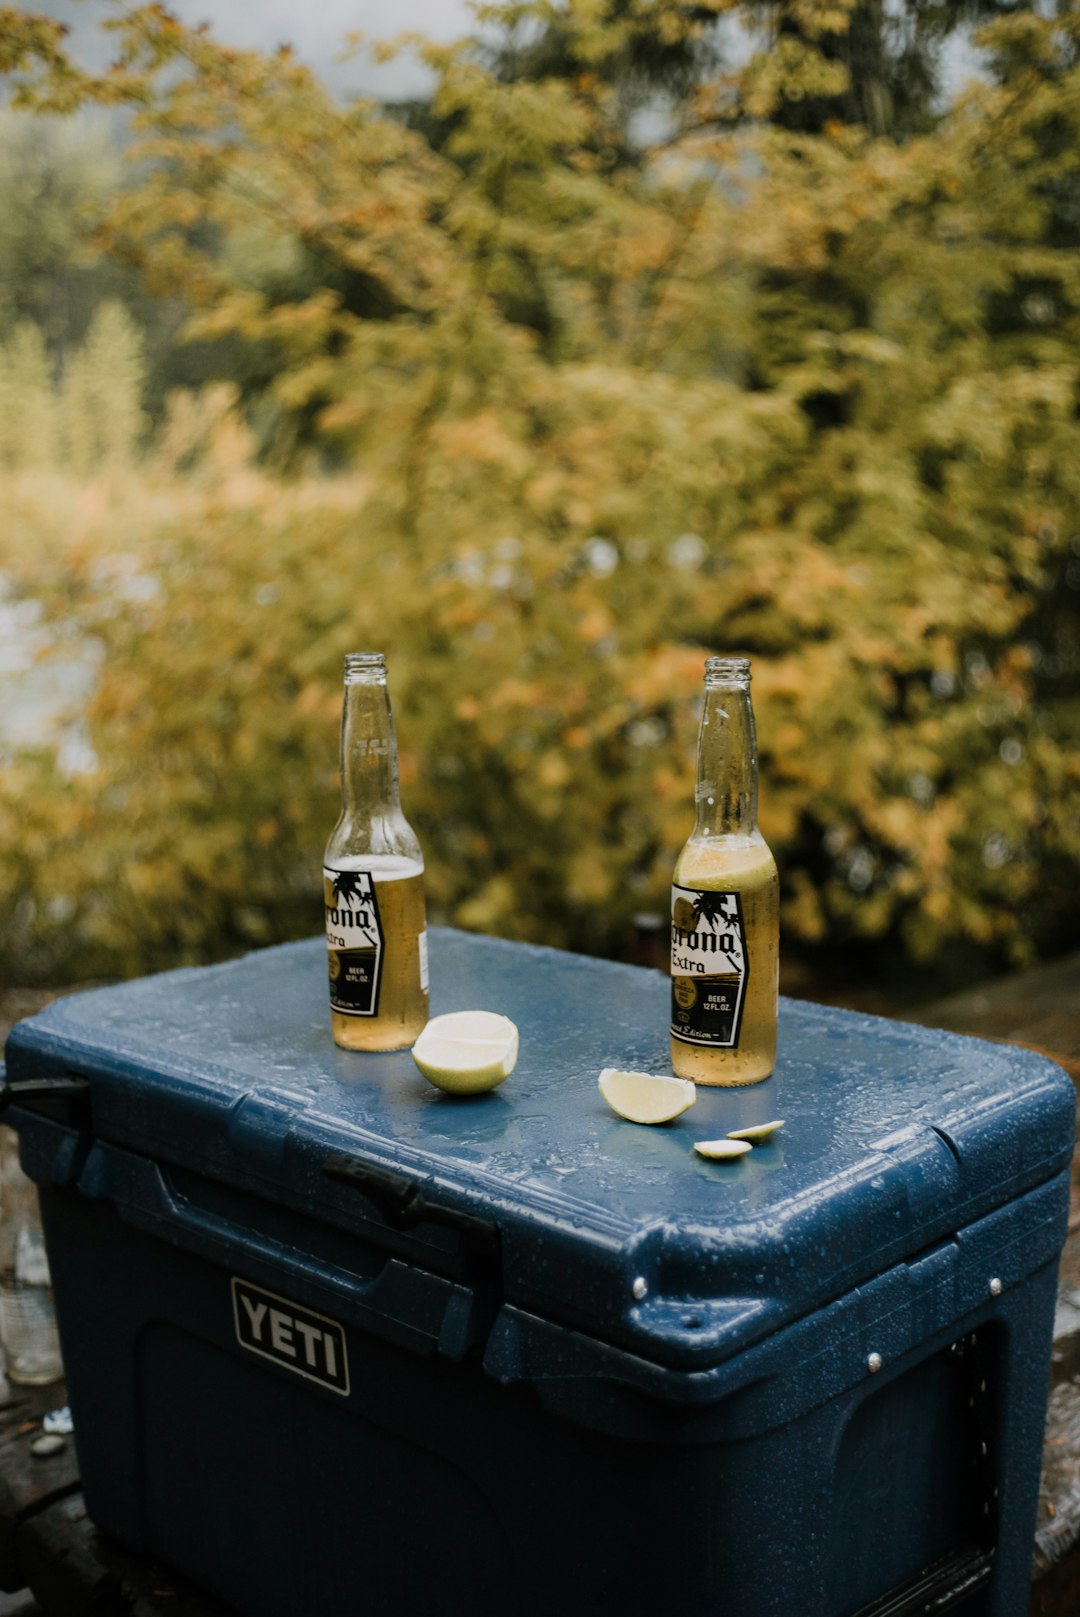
<point>403,1204</point>
<point>61,1096</point>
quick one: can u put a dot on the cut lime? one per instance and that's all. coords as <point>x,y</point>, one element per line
<point>642,1098</point>
<point>757,1133</point>
<point>466,1052</point>
<point>721,1150</point>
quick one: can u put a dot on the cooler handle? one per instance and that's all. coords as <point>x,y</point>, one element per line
<point>415,1306</point>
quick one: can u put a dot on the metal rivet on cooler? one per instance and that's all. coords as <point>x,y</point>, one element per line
<point>640,1288</point>
<point>874,1363</point>
<point>995,1287</point>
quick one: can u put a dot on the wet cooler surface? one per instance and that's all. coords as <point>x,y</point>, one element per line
<point>895,1132</point>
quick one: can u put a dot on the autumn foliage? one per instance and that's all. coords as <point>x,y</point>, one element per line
<point>549,411</point>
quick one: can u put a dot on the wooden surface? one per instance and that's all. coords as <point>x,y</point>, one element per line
<point>1039,1009</point>
<point>53,1561</point>
<point>27,1484</point>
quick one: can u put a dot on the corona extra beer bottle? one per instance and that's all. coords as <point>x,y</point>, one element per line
<point>373,880</point>
<point>725,902</point>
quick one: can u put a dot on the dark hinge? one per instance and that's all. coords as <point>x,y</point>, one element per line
<point>939,1588</point>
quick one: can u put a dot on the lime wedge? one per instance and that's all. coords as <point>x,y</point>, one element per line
<point>643,1098</point>
<point>757,1133</point>
<point>720,1150</point>
<point>466,1052</point>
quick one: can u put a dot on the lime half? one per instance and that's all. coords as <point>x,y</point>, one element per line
<point>466,1052</point>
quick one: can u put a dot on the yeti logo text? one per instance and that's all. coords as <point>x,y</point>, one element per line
<point>294,1337</point>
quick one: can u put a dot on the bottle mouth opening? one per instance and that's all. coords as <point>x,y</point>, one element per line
<point>727,671</point>
<point>360,665</point>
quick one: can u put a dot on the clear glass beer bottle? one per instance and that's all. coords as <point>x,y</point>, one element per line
<point>725,902</point>
<point>373,880</point>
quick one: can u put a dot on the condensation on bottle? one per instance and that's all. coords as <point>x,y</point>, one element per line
<point>373,880</point>
<point>725,902</point>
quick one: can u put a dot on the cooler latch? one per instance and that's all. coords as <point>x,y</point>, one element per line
<point>54,1125</point>
<point>403,1205</point>
<point>61,1096</point>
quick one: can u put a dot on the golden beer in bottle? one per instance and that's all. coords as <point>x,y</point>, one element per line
<point>725,902</point>
<point>373,880</point>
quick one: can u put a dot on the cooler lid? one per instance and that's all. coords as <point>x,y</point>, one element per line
<point>894,1135</point>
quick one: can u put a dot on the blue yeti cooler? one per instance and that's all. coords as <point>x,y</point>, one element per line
<point>338,1343</point>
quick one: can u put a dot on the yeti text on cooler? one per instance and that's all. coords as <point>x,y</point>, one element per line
<point>293,1337</point>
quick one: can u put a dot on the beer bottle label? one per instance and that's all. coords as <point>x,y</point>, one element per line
<point>709,967</point>
<point>354,940</point>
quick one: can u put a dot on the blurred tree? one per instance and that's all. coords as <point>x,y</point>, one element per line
<point>801,65</point>
<point>101,400</point>
<point>761,388</point>
<point>860,62</point>
<point>28,404</point>
<point>56,179</point>
<point>52,176</point>
<point>89,421</point>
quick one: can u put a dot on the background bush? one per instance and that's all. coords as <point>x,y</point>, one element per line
<point>549,414</point>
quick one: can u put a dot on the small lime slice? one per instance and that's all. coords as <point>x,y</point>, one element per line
<point>722,1150</point>
<point>466,1052</point>
<point>641,1097</point>
<point>757,1133</point>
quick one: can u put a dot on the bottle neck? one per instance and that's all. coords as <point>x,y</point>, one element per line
<point>726,793</point>
<point>369,765</point>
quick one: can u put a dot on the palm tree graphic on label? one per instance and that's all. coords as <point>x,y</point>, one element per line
<point>349,888</point>
<point>720,912</point>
